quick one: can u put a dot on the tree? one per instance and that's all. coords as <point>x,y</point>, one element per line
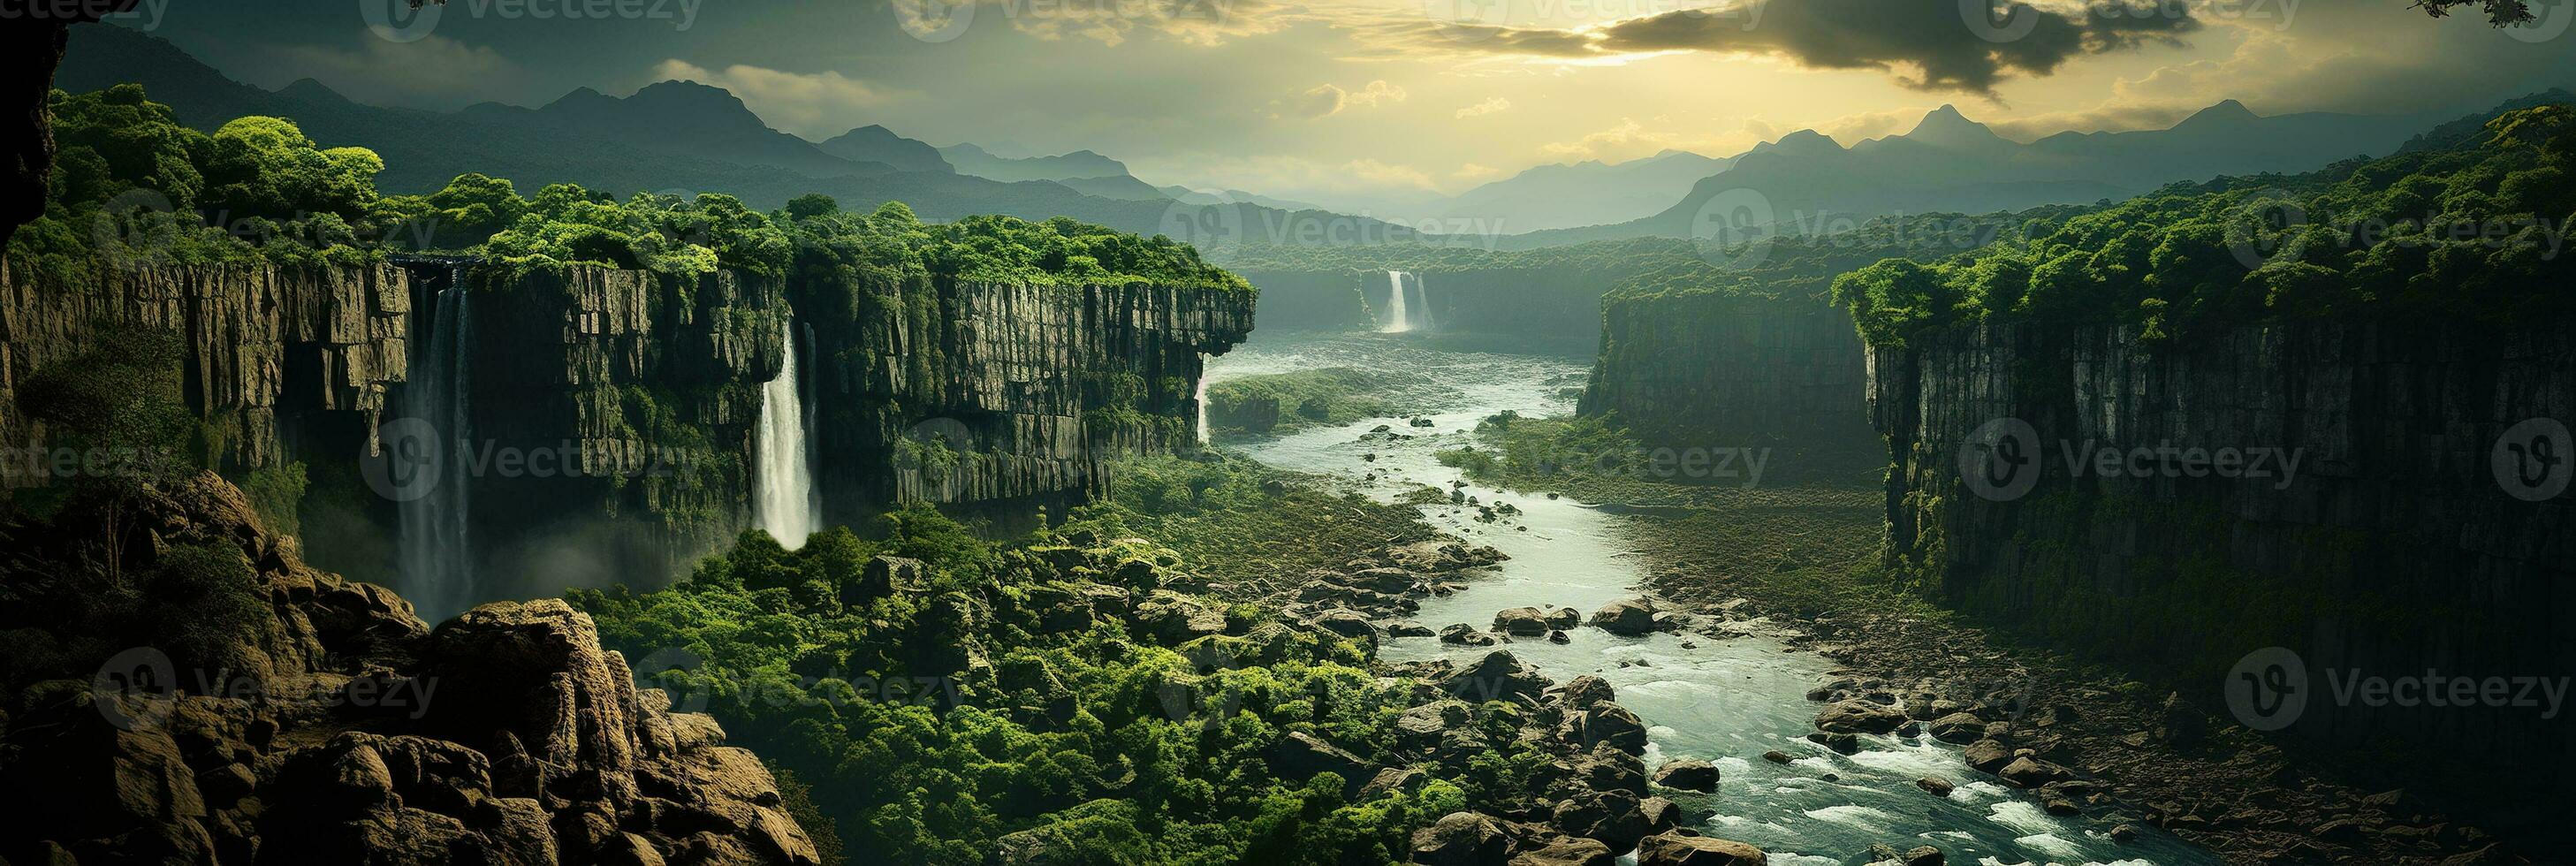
<point>2501,13</point>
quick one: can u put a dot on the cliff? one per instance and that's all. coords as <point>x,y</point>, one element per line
<point>1708,369</point>
<point>1007,396</point>
<point>264,712</point>
<point>593,425</point>
<point>271,355</point>
<point>2389,535</point>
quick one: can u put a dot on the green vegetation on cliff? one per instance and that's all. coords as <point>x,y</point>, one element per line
<point>2473,230</point>
<point>1284,402</point>
<point>1042,701</point>
<point>133,185</point>
<point>1249,527</point>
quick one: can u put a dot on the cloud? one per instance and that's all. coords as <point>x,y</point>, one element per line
<point>384,72</point>
<point>1486,107</point>
<point>1326,100</point>
<point>816,105</point>
<point>1923,44</point>
<point>1473,172</point>
<point>1112,22</point>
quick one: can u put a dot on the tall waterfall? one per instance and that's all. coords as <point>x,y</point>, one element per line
<point>1200,398</point>
<point>1398,320</point>
<point>428,460</point>
<point>782,482</point>
<point>1422,301</point>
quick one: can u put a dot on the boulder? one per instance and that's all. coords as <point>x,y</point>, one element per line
<point>1958,728</point>
<point>1498,676</point>
<point>1858,716</point>
<point>1521,621</point>
<point>1570,852</point>
<point>1348,624</point>
<point>1776,756</point>
<point>2028,772</point>
<point>1662,815</point>
<point>1614,818</point>
<point>1303,756</point>
<point>1409,628</point>
<point>1935,785</point>
<point>1462,633</point>
<point>1462,839</point>
<point>1674,849</point>
<point>1390,781</point>
<point>1632,617</point>
<point>1686,774</point>
<point>1609,725</point>
<point>1987,756</point>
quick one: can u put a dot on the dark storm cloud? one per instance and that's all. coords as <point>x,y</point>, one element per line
<point>1958,45</point>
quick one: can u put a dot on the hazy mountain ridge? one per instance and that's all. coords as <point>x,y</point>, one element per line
<point>675,137</point>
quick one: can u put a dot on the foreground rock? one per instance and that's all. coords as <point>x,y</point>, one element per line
<point>1461,839</point>
<point>1676,850</point>
<point>507,736</point>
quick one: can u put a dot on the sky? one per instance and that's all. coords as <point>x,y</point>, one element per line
<point>1383,102</point>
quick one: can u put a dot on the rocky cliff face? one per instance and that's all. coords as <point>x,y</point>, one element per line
<point>645,386</point>
<point>272,356</point>
<point>1008,397</point>
<point>2391,533</point>
<point>1711,370</point>
<point>319,721</point>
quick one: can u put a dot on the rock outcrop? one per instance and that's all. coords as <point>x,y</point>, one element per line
<point>326,723</point>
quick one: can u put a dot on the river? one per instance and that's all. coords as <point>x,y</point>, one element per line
<point>1725,701</point>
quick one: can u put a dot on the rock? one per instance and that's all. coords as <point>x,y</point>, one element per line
<point>1935,785</point>
<point>1609,725</point>
<point>1776,756</point>
<point>1428,722</point>
<point>2026,772</point>
<point>1687,774</point>
<point>1498,676</point>
<point>1302,756</point>
<point>1987,756</point>
<point>1559,637</point>
<point>1843,743</point>
<point>1614,818</point>
<point>1462,633</point>
<point>1389,781</point>
<point>1604,770</point>
<point>1923,855</point>
<point>1409,628</point>
<point>1175,619</point>
<point>1662,815</point>
<point>1571,852</point>
<point>1461,839</point>
<point>1859,717</point>
<point>1674,849</point>
<point>1585,692</point>
<point>1348,624</point>
<point>2124,833</point>
<point>1521,621</point>
<point>1958,728</point>
<point>1633,617</point>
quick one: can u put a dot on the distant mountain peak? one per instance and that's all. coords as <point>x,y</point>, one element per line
<point>306,88</point>
<point>2227,113</point>
<point>1947,127</point>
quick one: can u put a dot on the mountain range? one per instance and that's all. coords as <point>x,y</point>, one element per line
<point>1949,163</point>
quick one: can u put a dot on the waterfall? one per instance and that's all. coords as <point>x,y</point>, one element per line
<point>782,482</point>
<point>429,460</point>
<point>1199,397</point>
<point>1397,319</point>
<point>1422,301</point>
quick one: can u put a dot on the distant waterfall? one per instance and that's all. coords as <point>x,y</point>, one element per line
<point>1422,301</point>
<point>1398,319</point>
<point>429,460</point>
<point>782,482</point>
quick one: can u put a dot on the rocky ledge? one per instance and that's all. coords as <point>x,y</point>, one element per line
<point>327,724</point>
